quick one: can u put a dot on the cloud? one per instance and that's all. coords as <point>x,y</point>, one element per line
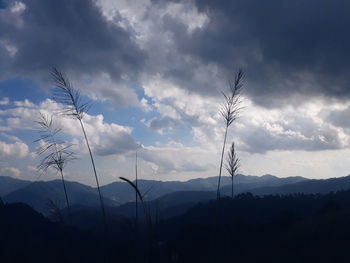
<point>306,126</point>
<point>177,159</point>
<point>294,128</point>
<point>286,47</point>
<point>319,164</point>
<point>340,117</point>
<point>74,36</point>
<point>25,103</point>
<point>13,150</point>
<point>145,106</point>
<point>9,171</point>
<point>105,138</point>
<point>108,139</point>
<point>172,59</point>
<point>290,51</point>
<point>159,124</point>
<point>5,101</point>
<point>103,87</point>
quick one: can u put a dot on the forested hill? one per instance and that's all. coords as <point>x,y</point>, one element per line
<point>294,228</point>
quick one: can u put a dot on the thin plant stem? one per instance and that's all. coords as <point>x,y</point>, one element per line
<point>95,173</point>
<point>99,190</point>
<point>221,162</point>
<point>63,181</point>
<point>136,197</point>
<point>58,157</point>
<point>230,112</point>
<point>141,197</point>
<point>74,107</point>
<point>66,195</point>
<point>232,187</point>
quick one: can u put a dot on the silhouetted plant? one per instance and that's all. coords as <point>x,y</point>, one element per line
<point>136,195</point>
<point>140,196</point>
<point>232,164</point>
<point>230,112</point>
<point>74,107</point>
<point>57,153</point>
<point>147,214</point>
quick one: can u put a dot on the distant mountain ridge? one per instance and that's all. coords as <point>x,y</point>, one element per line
<point>121,192</point>
<point>311,186</point>
<point>9,184</point>
<point>169,197</point>
<point>38,194</point>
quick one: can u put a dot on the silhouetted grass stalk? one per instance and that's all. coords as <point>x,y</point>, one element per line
<point>147,214</point>
<point>68,96</point>
<point>230,113</point>
<point>136,195</point>
<point>95,173</point>
<point>221,161</point>
<point>139,195</point>
<point>232,164</point>
<point>59,156</point>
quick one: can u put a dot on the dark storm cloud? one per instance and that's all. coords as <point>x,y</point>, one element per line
<point>260,140</point>
<point>119,144</point>
<point>162,123</point>
<point>72,35</point>
<point>286,47</point>
<point>340,118</point>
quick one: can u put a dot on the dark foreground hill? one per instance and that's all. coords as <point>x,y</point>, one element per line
<point>299,228</point>
<point>294,228</point>
<point>26,236</point>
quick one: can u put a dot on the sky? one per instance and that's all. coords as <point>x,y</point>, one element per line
<point>155,72</point>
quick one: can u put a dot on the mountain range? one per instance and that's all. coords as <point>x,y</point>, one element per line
<point>167,198</point>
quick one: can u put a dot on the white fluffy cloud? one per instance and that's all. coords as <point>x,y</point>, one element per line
<point>292,128</point>
<point>105,138</point>
<point>303,127</point>
<point>262,136</point>
<point>9,171</point>
<point>177,158</point>
<point>13,150</point>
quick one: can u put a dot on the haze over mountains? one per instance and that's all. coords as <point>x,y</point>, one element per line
<point>169,197</point>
